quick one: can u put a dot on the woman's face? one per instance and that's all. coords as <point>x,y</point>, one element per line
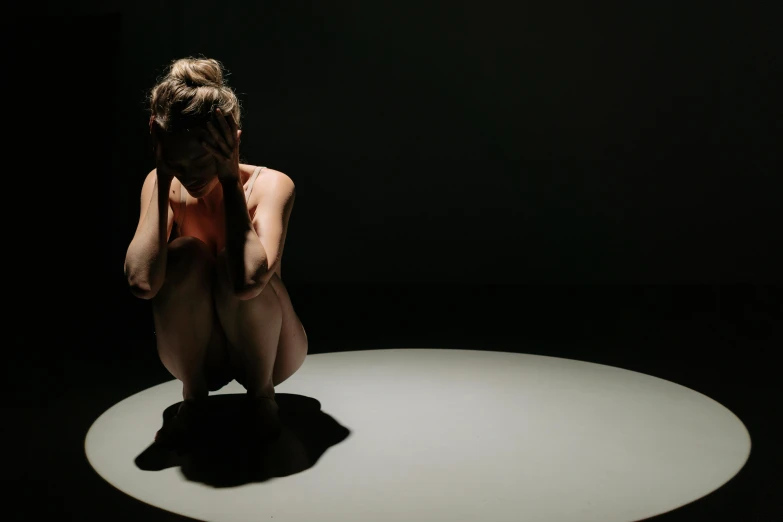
<point>194,164</point>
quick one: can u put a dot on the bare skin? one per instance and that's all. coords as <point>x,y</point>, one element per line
<point>220,307</point>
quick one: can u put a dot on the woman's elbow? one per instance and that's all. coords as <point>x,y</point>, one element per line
<point>253,286</point>
<point>248,291</point>
<point>141,287</point>
<point>143,290</point>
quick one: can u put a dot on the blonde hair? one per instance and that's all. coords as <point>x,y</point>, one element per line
<point>189,92</point>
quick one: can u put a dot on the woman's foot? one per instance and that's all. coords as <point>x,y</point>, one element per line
<point>263,417</point>
<point>181,429</point>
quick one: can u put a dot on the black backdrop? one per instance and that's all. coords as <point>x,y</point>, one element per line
<point>492,142</point>
<point>535,147</point>
<point>542,144</point>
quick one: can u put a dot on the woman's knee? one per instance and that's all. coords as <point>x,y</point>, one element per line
<point>189,253</point>
<point>188,257</point>
<point>188,247</point>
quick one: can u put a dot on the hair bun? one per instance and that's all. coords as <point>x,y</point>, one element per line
<point>177,102</point>
<point>197,72</point>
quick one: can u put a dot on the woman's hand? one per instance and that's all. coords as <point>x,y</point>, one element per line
<point>162,168</point>
<point>223,143</point>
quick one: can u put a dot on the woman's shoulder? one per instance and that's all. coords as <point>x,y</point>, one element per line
<point>266,172</point>
<point>271,188</point>
<point>274,180</point>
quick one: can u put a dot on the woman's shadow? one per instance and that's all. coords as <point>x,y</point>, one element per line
<point>224,455</point>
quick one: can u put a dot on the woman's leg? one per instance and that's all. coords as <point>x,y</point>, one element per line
<point>189,338</point>
<point>292,348</point>
<point>252,328</point>
<point>266,337</point>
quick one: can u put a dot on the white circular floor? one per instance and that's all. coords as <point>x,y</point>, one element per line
<point>443,435</point>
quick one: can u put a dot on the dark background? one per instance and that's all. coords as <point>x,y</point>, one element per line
<point>479,142</point>
<point>592,182</point>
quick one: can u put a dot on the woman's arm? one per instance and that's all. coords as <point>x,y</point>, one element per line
<point>245,254</point>
<point>247,259</point>
<point>145,260</point>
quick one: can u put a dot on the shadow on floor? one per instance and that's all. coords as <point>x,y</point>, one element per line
<point>225,456</point>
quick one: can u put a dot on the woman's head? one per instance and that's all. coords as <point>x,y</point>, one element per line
<point>181,103</point>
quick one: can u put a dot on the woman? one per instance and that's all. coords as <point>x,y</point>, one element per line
<point>207,252</point>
